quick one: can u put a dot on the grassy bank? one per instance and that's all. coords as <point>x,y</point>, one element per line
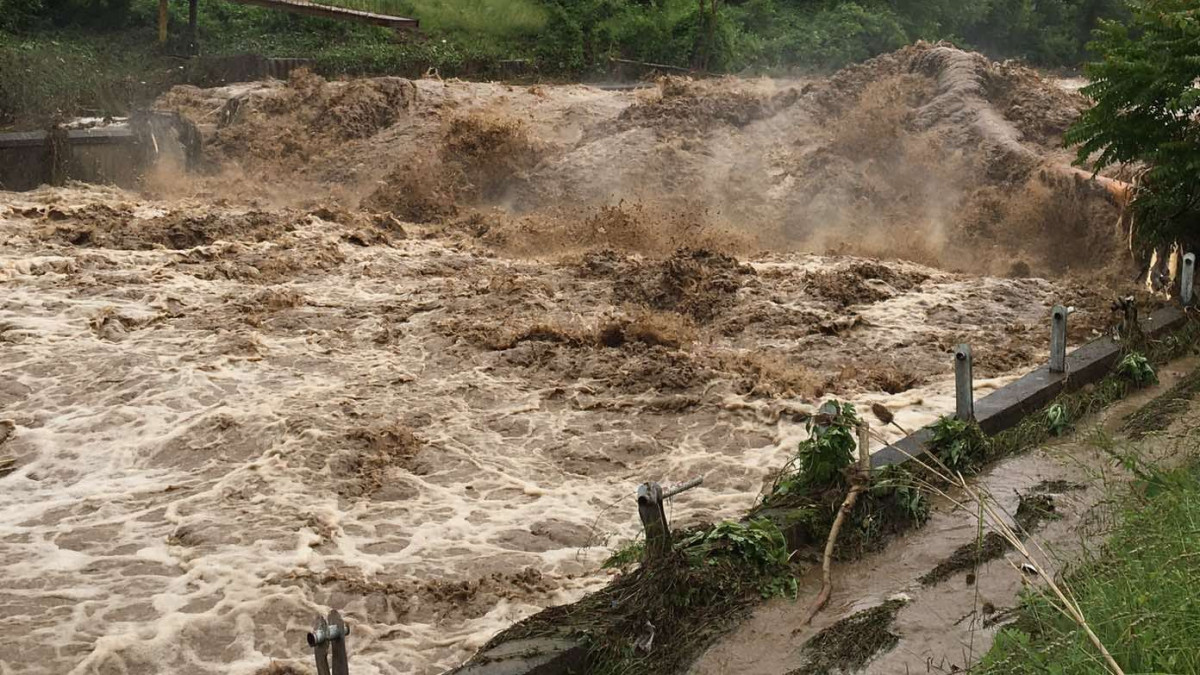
<point>47,72</point>
<point>76,73</point>
<point>1138,592</point>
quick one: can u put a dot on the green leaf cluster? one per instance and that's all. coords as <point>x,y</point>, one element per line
<point>961,445</point>
<point>1058,419</point>
<point>757,544</point>
<point>1145,114</point>
<point>821,460</point>
<point>1136,368</point>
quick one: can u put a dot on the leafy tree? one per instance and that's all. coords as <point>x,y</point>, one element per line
<point>1146,113</point>
<point>18,14</point>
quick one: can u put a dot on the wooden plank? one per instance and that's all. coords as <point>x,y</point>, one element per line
<point>337,13</point>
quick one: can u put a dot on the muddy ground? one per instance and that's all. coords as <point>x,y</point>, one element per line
<point>407,348</point>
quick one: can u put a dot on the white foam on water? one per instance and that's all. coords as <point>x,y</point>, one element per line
<point>182,501</point>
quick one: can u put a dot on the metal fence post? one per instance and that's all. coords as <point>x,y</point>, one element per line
<point>1058,339</point>
<point>1186,278</point>
<point>654,520</point>
<point>327,634</point>
<point>650,498</point>
<point>964,395</point>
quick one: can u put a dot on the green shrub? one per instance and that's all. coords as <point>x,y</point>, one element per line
<point>1136,368</point>
<point>1145,113</point>
<point>962,446</point>
<point>1058,419</point>
<point>756,544</point>
<point>821,459</point>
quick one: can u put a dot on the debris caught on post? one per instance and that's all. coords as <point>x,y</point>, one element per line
<point>859,481</point>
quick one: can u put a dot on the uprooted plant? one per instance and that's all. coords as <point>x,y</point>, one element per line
<point>821,460</point>
<point>822,489</point>
<point>1136,368</point>
<point>807,493</point>
<point>960,444</point>
<point>859,481</point>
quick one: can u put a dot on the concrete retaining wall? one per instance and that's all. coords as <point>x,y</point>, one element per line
<point>118,153</point>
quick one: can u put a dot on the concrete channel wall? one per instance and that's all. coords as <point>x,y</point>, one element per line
<point>996,412</point>
<point>117,151</point>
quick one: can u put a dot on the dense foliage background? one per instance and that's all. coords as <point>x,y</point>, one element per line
<point>1147,114</point>
<point>79,55</point>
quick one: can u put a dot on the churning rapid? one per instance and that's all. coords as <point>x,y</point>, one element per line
<point>406,348</point>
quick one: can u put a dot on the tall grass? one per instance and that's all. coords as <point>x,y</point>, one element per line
<point>78,74</point>
<point>492,18</point>
<point>1140,594</point>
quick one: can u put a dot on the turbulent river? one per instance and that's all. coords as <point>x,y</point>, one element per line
<point>315,379</point>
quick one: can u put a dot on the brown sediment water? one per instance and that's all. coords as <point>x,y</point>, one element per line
<point>948,625</point>
<point>407,348</point>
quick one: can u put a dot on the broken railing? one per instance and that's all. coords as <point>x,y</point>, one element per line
<point>650,500</point>
<point>964,395</point>
<point>328,641</point>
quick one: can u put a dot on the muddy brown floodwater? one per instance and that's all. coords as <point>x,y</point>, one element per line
<point>407,348</point>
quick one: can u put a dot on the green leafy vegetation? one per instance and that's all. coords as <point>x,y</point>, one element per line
<point>757,543</point>
<point>820,461</point>
<point>1145,114</point>
<point>1136,368</point>
<point>101,46</point>
<point>960,445</point>
<point>896,484</point>
<point>808,491</point>
<point>625,557</point>
<point>1138,593</point>
<point>78,74</point>
<point>1058,419</point>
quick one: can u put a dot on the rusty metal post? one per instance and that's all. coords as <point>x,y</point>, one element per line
<point>964,394</point>
<point>654,521</point>
<point>1058,339</point>
<point>683,487</point>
